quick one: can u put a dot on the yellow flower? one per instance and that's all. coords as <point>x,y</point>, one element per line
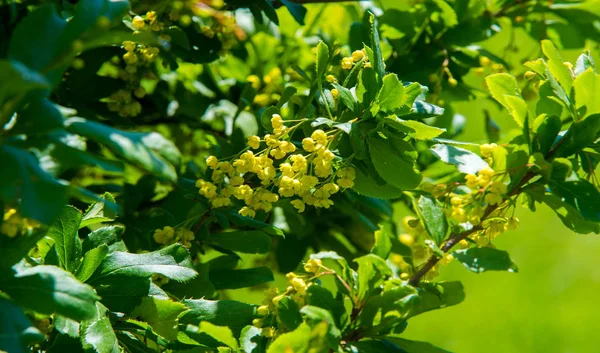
<point>492,199</point>
<point>319,136</point>
<point>262,99</point>
<point>129,45</point>
<point>452,82</point>
<point>498,187</point>
<point>254,81</point>
<point>299,205</point>
<point>446,259</point>
<point>138,22</point>
<point>299,285</point>
<point>236,180</point>
<point>513,223</point>
<point>258,323</point>
<point>130,58</point>
<point>335,93</point>
<point>276,121</point>
<point>406,239</point>
<point>262,310</point>
<point>367,65</point>
<point>347,63</point>
<point>254,142</point>
<point>345,183</point>
<point>529,75</point>
<point>484,61</point>
<point>487,149</point>
<point>331,78</point>
<point>357,55</point>
<point>312,265</point>
<point>299,162</point>
<point>308,144</point>
<point>471,181</point>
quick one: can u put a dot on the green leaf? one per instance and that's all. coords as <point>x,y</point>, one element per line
<point>295,341</point>
<point>584,62</point>
<point>587,89</point>
<point>41,197</point>
<point>230,313</point>
<point>288,312</point>
<point>91,261</point>
<point>322,59</point>
<point>220,334</point>
<point>172,261</point>
<point>315,315</point>
<point>372,271</point>
<point>66,326</point>
<point>123,294</point>
<point>16,331</point>
<point>366,186</point>
<point>388,161</point>
<point>580,135</point>
<point>464,160</point>
<point>97,333</point>
<point>150,151</point>
<point>161,315</point>
<point>323,298</point>
<point>388,310</point>
<point>234,279</point>
<point>414,129</point>
<point>22,79</point>
<point>12,250</point>
<point>100,211</point>
<point>545,130</point>
<point>438,295</point>
<point>38,116</point>
<point>64,232</point>
<point>346,96</point>
<point>49,290</point>
<point>244,241</point>
<point>432,215</point>
<point>383,242</point>
<point>409,346</point>
<point>251,340</point>
<point>367,88</point>
<point>505,90</point>
<point>391,95</point>
<point>109,235</point>
<point>485,259</point>
<point>377,58</point>
<point>581,195</point>
<point>556,66</point>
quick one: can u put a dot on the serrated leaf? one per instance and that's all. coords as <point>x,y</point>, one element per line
<point>587,90</point>
<point>91,261</point>
<point>97,334</point>
<point>100,211</point>
<point>464,160</point>
<point>322,59</point>
<point>485,259</point>
<point>64,232</point>
<point>161,315</point>
<point>109,235</point>
<point>414,129</point>
<point>389,162</point>
<point>377,58</point>
<point>346,96</point>
<point>433,217</point>
<point>233,314</point>
<point>583,63</point>
<point>505,90</point>
<point>173,262</point>
<point>48,290</point>
<point>150,151</point>
<point>556,65</point>
<point>391,95</point>
<point>372,271</point>
<point>295,341</point>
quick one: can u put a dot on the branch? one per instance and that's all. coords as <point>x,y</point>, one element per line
<point>457,238</point>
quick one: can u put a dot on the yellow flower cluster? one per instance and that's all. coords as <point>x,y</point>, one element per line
<point>137,59</point>
<point>487,66</point>
<point>269,87</point>
<point>279,170</point>
<point>149,21</point>
<point>358,55</point>
<point>14,225</point>
<point>494,229</point>
<point>168,235</point>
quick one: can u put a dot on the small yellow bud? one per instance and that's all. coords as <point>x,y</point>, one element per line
<point>258,323</point>
<point>262,310</point>
<point>330,78</point>
<point>212,162</point>
<point>335,93</point>
<point>312,265</point>
<point>513,223</point>
<point>484,61</point>
<point>347,63</point>
<point>254,142</point>
<point>530,75</point>
<point>452,82</point>
<point>357,55</point>
<point>138,22</point>
<point>404,276</point>
<point>406,239</point>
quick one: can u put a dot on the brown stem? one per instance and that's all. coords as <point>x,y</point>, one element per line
<point>457,238</point>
